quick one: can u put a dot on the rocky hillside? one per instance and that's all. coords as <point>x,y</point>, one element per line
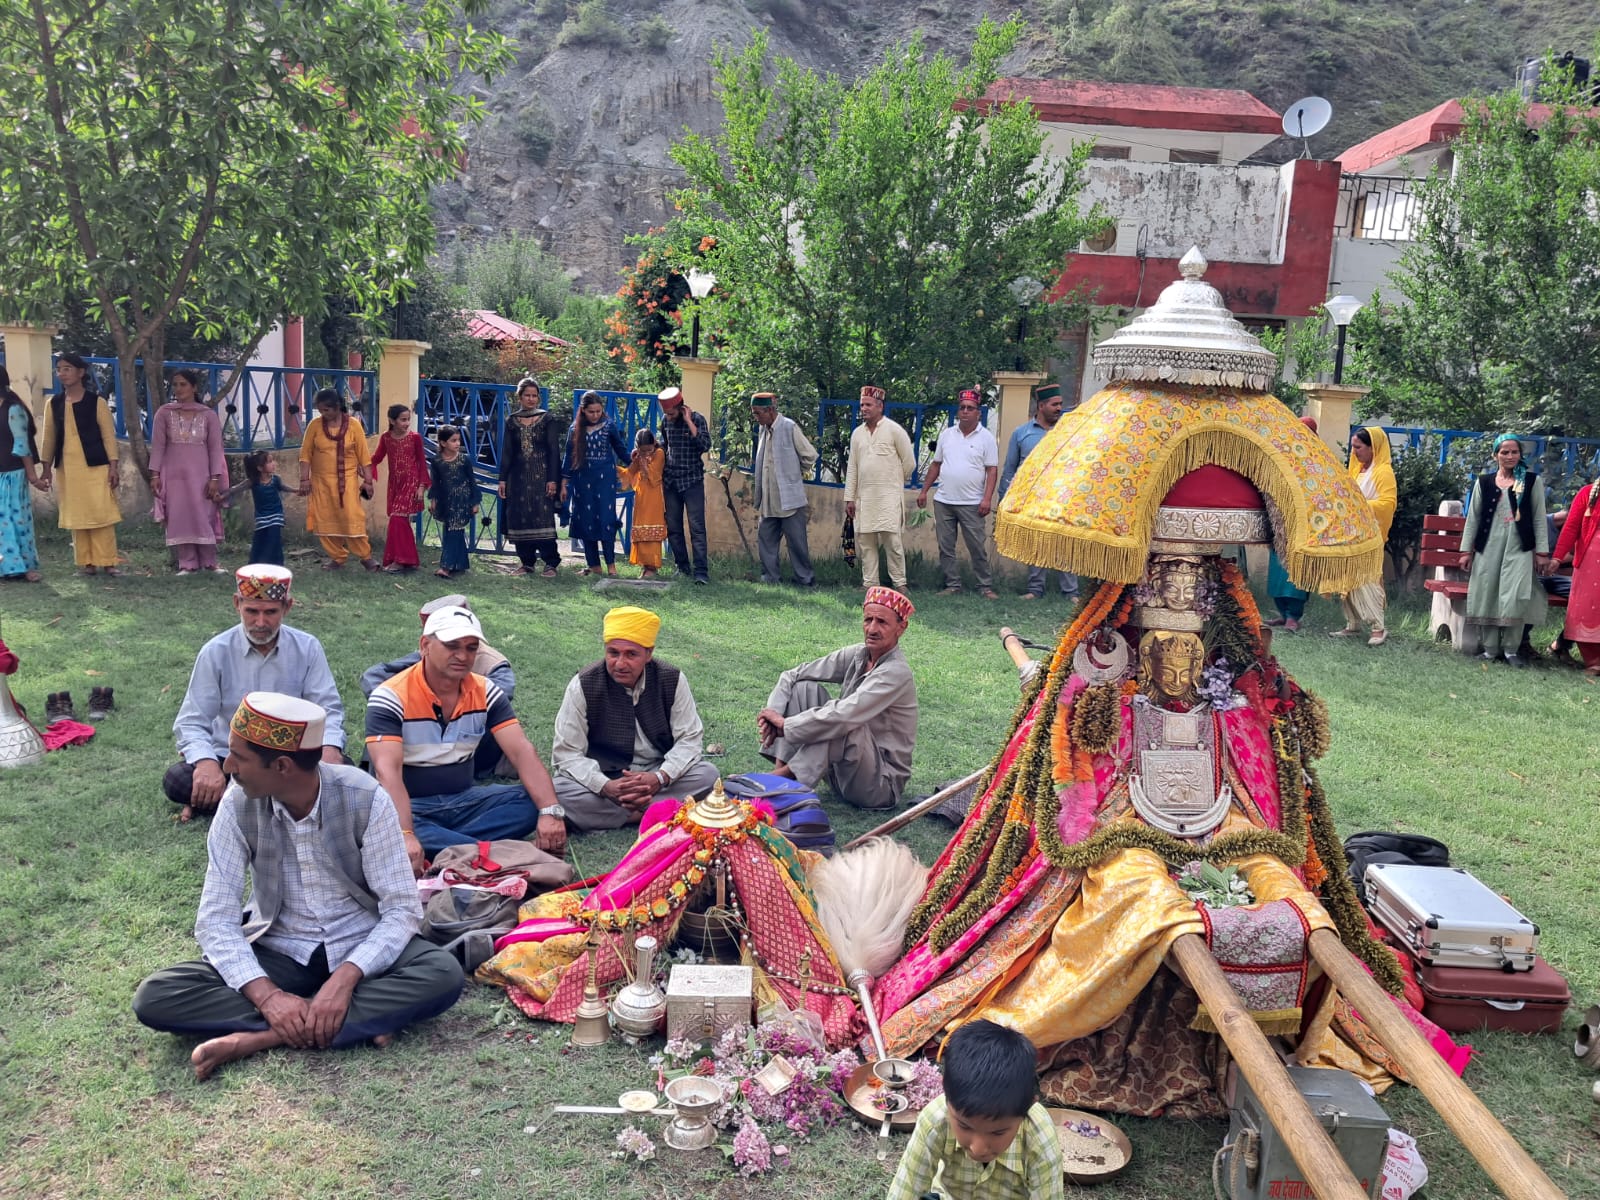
<point>576,145</point>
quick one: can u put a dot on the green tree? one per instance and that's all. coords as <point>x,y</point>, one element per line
<point>503,272</point>
<point>1500,321</point>
<point>224,162</point>
<point>871,232</point>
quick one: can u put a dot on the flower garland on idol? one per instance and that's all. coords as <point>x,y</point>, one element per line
<point>1019,816</point>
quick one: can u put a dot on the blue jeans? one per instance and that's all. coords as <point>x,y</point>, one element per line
<point>690,501</point>
<point>482,813</point>
<point>267,545</point>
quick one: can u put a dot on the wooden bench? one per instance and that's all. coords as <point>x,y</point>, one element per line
<point>1441,550</point>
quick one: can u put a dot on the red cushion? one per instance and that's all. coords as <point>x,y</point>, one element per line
<point>1212,486</point>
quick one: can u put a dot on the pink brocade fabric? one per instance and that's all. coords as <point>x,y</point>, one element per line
<point>1250,749</point>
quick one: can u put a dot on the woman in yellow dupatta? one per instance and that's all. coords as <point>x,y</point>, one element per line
<point>1369,467</point>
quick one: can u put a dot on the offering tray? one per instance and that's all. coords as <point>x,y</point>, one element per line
<point>1090,1157</point>
<point>862,1088</point>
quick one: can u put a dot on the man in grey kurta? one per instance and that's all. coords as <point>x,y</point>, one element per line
<point>861,742</point>
<point>784,458</point>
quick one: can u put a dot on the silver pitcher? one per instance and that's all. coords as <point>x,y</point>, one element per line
<point>640,1009</point>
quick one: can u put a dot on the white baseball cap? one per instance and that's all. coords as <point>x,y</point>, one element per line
<point>452,623</point>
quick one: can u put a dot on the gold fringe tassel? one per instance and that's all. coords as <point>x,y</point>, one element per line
<point>1277,1022</point>
<point>1065,546</point>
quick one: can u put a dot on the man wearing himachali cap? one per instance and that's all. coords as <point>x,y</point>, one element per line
<point>259,654</point>
<point>327,953</point>
<point>627,730</point>
<point>881,460</point>
<point>861,742</point>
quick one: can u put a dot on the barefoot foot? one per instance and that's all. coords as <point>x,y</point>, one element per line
<point>383,1039</point>
<point>231,1047</point>
<point>185,814</point>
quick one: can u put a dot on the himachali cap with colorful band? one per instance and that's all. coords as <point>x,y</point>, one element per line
<point>874,393</point>
<point>763,399</point>
<point>263,581</point>
<point>1046,392</point>
<point>890,599</point>
<point>280,722</point>
<point>674,394</point>
<point>970,394</point>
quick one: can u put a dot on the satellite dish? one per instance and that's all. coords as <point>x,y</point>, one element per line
<point>1304,119</point>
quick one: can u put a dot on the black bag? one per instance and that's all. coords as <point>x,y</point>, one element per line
<point>1406,849</point>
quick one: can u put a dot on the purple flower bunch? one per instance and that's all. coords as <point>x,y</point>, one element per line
<point>1216,685</point>
<point>926,1086</point>
<point>634,1142</point>
<point>752,1153</point>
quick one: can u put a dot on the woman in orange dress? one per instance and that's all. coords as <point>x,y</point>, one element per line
<point>336,473</point>
<point>649,528</point>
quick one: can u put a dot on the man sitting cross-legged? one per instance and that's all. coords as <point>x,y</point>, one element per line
<point>627,730</point>
<point>423,730</point>
<point>490,663</point>
<point>860,743</point>
<point>327,954</point>
<point>259,654</point>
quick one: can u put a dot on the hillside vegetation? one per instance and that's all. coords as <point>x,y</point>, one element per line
<point>576,149</point>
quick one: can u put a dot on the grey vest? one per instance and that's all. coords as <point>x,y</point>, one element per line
<point>779,442</point>
<point>347,809</point>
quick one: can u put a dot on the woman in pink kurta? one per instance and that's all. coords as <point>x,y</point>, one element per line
<point>408,484</point>
<point>1577,547</point>
<point>188,473</point>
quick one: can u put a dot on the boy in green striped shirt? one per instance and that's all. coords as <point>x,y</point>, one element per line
<point>987,1137</point>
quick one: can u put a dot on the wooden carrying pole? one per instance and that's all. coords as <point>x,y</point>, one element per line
<point>901,820</point>
<point>1308,1142</point>
<point>1507,1164</point>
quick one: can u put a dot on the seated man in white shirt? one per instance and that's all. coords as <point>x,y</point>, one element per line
<point>627,730</point>
<point>259,654</point>
<point>327,953</point>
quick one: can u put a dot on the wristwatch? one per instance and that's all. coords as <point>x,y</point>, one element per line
<point>554,810</point>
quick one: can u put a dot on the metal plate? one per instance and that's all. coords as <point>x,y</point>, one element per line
<point>859,1092</point>
<point>1090,1158</point>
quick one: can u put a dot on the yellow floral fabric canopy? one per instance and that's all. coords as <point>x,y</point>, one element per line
<point>1086,499</point>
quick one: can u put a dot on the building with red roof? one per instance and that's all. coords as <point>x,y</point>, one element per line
<point>492,329</point>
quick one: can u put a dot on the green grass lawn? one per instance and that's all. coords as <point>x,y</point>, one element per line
<point>98,887</point>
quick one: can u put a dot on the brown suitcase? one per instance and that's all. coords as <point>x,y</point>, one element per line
<point>1463,999</point>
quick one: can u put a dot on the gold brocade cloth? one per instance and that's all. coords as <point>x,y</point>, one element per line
<point>1086,498</point>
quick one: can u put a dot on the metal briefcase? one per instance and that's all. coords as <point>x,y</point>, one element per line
<point>1445,917</point>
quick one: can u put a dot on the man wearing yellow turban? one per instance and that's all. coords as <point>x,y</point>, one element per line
<point>627,730</point>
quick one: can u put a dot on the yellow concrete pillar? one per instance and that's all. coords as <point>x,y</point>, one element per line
<point>399,382</point>
<point>698,374</point>
<point>28,360</point>
<point>1332,406</point>
<point>1016,401</point>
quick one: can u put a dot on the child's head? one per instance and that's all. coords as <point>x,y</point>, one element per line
<point>260,466</point>
<point>989,1086</point>
<point>449,439</point>
<point>644,440</point>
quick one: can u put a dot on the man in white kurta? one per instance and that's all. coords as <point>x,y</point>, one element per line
<point>881,461</point>
<point>860,742</point>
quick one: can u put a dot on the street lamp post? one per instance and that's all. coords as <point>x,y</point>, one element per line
<point>1343,310</point>
<point>1024,290</point>
<point>700,285</point>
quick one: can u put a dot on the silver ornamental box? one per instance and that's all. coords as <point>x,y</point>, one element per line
<point>704,1002</point>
